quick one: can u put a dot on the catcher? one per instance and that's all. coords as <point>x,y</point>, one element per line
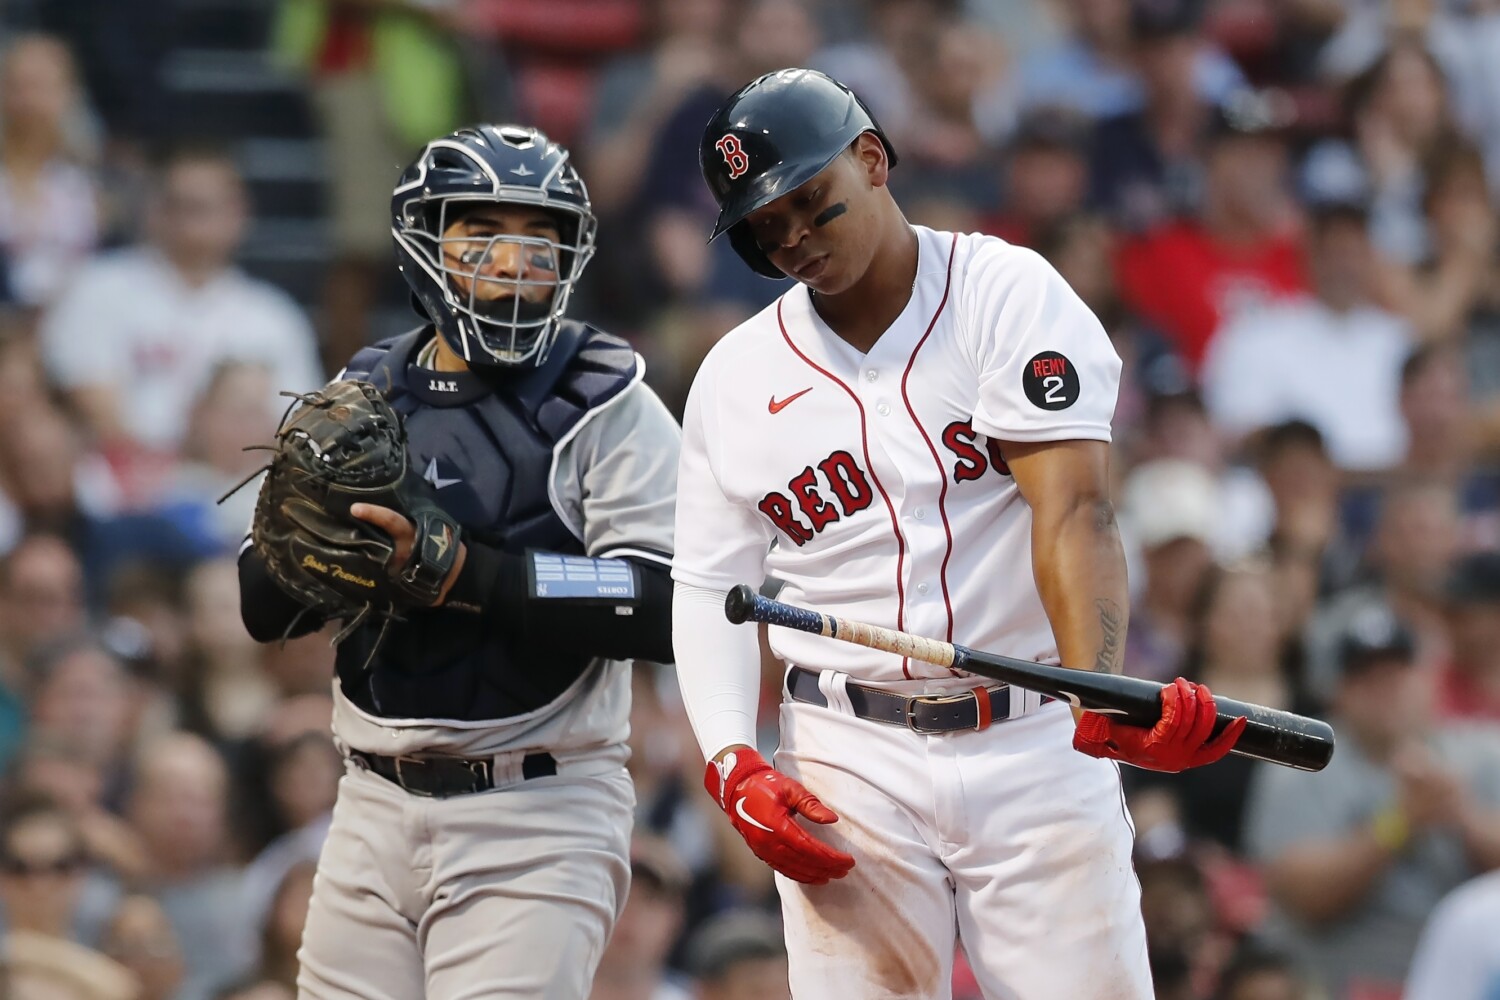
<point>486,504</point>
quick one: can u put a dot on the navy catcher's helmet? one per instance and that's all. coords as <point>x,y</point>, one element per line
<point>771,137</point>
<point>491,164</point>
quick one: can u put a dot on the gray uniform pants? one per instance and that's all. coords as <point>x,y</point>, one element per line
<point>510,893</point>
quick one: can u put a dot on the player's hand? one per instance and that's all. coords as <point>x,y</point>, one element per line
<point>1179,741</point>
<point>763,804</point>
<point>404,534</point>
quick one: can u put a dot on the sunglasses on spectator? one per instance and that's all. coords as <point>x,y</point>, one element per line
<point>65,865</point>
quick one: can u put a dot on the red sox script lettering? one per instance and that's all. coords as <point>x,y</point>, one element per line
<point>841,476</point>
<point>959,437</point>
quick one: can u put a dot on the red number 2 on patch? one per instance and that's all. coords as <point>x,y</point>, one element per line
<point>734,156</point>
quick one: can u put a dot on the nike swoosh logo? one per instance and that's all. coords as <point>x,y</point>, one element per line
<point>776,407</point>
<point>431,475</point>
<point>739,810</point>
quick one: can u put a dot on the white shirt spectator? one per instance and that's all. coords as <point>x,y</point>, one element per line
<point>130,322</point>
<point>1458,957</point>
<point>1341,372</point>
<point>47,233</point>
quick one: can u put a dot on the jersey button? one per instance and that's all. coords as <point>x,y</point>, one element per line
<point>871,375</point>
<point>921,588</point>
<point>884,409</point>
<point>919,513</point>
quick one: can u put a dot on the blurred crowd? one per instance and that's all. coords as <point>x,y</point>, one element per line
<point>1284,212</point>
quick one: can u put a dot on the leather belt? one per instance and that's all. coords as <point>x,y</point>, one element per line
<point>438,776</point>
<point>973,710</point>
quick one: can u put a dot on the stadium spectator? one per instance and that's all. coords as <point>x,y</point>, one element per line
<point>1235,248</point>
<point>1469,685</point>
<point>1398,115</point>
<point>140,937</point>
<point>1357,855</point>
<point>41,598</point>
<point>1045,177</point>
<point>1333,358</point>
<point>1093,70</point>
<point>229,419</point>
<point>1442,293</point>
<point>1174,425</point>
<point>48,884</point>
<point>281,931</point>
<point>1408,561</point>
<point>1304,486</point>
<point>134,339</point>
<point>1257,974</point>
<point>1081,247</point>
<point>49,201</point>
<point>1148,160</point>
<point>739,955</point>
<point>1183,939</point>
<point>120,47</point>
<point>638,91</point>
<point>674,206</point>
<point>880,64</point>
<point>52,768</point>
<point>1168,511</point>
<point>1443,446</point>
<point>634,962</point>
<point>225,692</point>
<point>1238,647</point>
<point>80,694</point>
<point>305,772</point>
<point>964,113</point>
<point>178,805</point>
<point>383,78</point>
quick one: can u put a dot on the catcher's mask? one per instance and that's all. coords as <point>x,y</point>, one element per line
<point>477,303</point>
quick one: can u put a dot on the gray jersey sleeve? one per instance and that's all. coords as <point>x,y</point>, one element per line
<point>614,482</point>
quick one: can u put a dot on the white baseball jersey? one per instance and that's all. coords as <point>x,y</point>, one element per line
<point>879,480</point>
<point>877,475</point>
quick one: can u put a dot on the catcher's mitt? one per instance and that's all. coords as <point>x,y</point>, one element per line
<point>337,447</point>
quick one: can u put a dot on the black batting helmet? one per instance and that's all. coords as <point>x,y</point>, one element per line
<point>771,137</point>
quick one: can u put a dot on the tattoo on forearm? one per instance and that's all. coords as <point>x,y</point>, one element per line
<point>1111,625</point>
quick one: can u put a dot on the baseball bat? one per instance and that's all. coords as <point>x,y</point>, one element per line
<point>1270,734</point>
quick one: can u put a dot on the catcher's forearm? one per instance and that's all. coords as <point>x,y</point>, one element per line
<point>270,613</point>
<point>496,584</point>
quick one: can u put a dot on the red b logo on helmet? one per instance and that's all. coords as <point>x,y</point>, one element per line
<point>734,156</point>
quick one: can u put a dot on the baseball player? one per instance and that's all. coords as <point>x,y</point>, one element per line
<point>480,843</point>
<point>914,435</point>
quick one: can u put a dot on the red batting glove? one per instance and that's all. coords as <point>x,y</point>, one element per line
<point>761,803</point>
<point>1177,742</point>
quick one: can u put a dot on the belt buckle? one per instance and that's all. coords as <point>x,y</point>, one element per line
<point>973,694</point>
<point>911,714</point>
<point>401,776</point>
<point>480,768</point>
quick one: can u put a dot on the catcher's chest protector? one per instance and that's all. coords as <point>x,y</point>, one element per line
<point>486,445</point>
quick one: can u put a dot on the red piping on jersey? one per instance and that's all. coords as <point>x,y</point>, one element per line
<point>942,471</point>
<point>864,443</point>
